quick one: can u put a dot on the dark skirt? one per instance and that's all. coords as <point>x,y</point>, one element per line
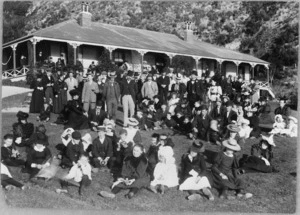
<point>77,121</point>
<point>258,164</point>
<point>232,182</point>
<point>60,101</point>
<point>37,101</point>
<point>138,183</point>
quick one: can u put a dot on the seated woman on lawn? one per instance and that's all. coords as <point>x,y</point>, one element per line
<point>80,175</point>
<point>261,156</point>
<point>193,173</point>
<point>224,171</point>
<point>292,127</point>
<point>9,155</point>
<point>22,130</point>
<point>74,114</point>
<point>38,157</point>
<point>134,174</point>
<point>7,181</point>
<point>278,125</point>
<point>165,172</point>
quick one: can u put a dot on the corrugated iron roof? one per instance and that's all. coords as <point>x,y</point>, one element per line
<point>133,38</point>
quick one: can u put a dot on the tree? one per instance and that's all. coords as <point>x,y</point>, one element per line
<point>104,62</point>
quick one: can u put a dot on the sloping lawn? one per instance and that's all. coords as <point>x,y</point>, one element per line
<point>272,193</point>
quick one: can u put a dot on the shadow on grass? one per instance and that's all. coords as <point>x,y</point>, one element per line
<point>210,156</point>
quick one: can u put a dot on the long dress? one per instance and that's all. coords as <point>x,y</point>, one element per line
<point>227,166</point>
<point>37,98</point>
<point>76,119</point>
<point>60,98</point>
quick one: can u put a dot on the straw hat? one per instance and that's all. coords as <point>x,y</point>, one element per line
<point>87,138</point>
<point>132,121</point>
<point>293,119</point>
<point>231,144</point>
<point>269,139</point>
<point>198,147</point>
<point>233,128</point>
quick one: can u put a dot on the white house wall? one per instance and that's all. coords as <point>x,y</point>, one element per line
<point>230,69</point>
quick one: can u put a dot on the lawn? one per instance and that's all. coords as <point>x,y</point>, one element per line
<point>272,193</point>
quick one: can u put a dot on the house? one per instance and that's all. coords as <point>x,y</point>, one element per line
<point>85,40</point>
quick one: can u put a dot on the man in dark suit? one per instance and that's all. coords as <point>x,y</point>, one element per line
<point>230,116</point>
<point>97,116</point>
<point>193,89</point>
<point>102,149</point>
<point>163,83</point>
<point>111,94</point>
<point>201,123</point>
<point>218,111</point>
<point>202,88</point>
<point>48,82</point>
<point>128,94</point>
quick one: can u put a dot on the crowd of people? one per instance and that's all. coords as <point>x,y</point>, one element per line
<point>207,110</point>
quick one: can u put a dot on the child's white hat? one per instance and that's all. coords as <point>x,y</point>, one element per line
<point>278,116</point>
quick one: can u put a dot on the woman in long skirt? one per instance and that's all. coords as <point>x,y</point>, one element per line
<point>60,92</point>
<point>37,98</point>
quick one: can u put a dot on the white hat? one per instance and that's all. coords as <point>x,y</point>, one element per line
<point>293,119</point>
<point>278,116</point>
<point>269,139</point>
<point>132,121</point>
<point>231,144</point>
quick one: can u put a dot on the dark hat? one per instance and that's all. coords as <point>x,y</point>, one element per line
<point>155,97</point>
<point>184,101</point>
<point>203,107</point>
<point>41,128</point>
<point>166,70</point>
<point>136,74</point>
<point>154,72</point>
<point>229,103</point>
<point>203,75</point>
<point>112,74</point>
<point>284,98</point>
<point>198,146</point>
<point>74,92</point>
<point>22,115</point>
<point>76,135</point>
<point>194,73</point>
<point>130,73</point>
<point>104,73</point>
<point>145,73</point>
<point>151,103</point>
<point>99,103</point>
<point>41,139</point>
<point>231,144</point>
<point>198,108</point>
<point>149,76</point>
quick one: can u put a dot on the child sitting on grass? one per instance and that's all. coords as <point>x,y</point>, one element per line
<point>7,181</point>
<point>45,113</point>
<point>165,172</point>
<point>169,121</point>
<point>278,125</point>
<point>292,127</point>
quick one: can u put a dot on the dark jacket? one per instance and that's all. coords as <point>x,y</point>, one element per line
<point>190,88</point>
<point>197,164</point>
<point>97,118</point>
<point>105,91</point>
<point>130,87</point>
<point>202,125</point>
<point>73,152</point>
<point>257,151</point>
<point>163,81</point>
<point>285,111</point>
<point>218,115</point>
<point>231,117</point>
<point>102,150</point>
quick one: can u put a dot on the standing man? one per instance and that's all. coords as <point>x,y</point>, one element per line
<point>48,82</point>
<point>128,93</point>
<point>149,89</point>
<point>163,86</point>
<point>193,89</point>
<point>89,93</point>
<point>111,94</point>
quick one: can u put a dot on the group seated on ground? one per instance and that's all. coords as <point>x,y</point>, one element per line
<point>200,112</point>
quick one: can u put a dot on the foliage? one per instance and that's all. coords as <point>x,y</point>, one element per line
<point>183,63</point>
<point>104,63</point>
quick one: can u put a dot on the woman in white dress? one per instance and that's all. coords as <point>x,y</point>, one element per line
<point>72,84</point>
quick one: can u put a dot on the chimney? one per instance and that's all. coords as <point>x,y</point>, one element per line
<point>189,34</point>
<point>85,17</point>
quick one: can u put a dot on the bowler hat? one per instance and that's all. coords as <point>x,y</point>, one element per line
<point>99,103</point>
<point>194,73</point>
<point>22,115</point>
<point>76,135</point>
<point>231,144</point>
<point>229,103</point>
<point>198,146</point>
<point>101,128</point>
<point>130,73</point>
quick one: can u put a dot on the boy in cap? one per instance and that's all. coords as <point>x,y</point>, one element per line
<point>201,123</point>
<point>73,151</point>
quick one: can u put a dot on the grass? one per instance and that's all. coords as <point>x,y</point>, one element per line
<point>14,100</point>
<point>273,193</point>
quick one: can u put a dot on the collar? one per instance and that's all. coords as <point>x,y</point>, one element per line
<point>39,150</point>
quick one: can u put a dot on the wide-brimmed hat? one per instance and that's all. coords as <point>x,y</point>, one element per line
<point>101,128</point>
<point>132,121</point>
<point>233,128</point>
<point>74,92</point>
<point>198,146</point>
<point>231,144</point>
<point>22,115</point>
<point>76,135</point>
<point>293,119</point>
<point>214,125</point>
<point>269,139</point>
<point>278,116</point>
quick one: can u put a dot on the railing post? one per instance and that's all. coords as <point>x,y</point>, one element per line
<point>14,47</point>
